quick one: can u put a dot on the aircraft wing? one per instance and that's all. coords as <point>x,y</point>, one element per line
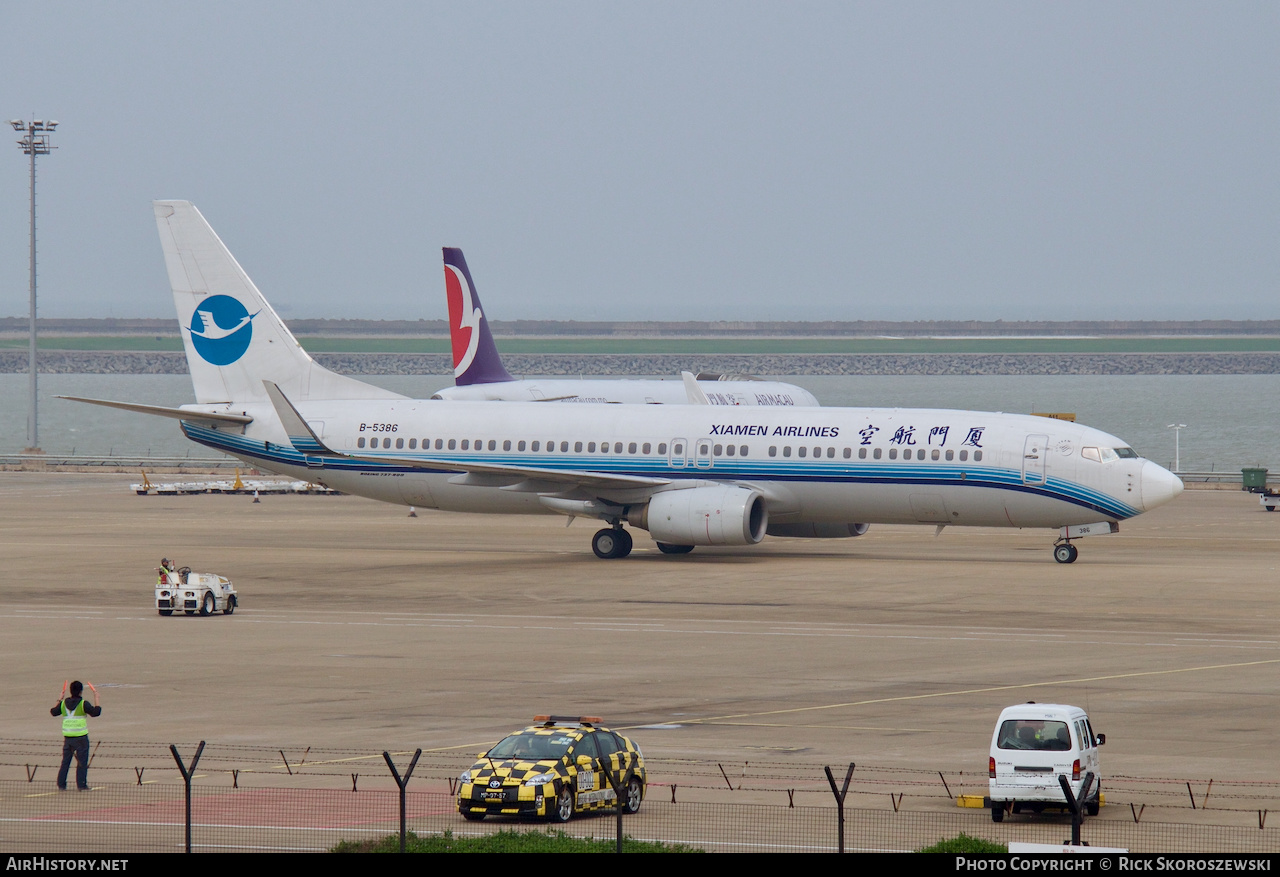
<point>305,440</point>
<point>554,479</point>
<point>207,418</point>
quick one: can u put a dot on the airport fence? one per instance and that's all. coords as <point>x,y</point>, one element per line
<point>251,798</point>
<point>121,818</point>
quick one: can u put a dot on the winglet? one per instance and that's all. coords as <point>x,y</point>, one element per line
<point>696,396</point>
<point>301,436</point>
<point>475,356</point>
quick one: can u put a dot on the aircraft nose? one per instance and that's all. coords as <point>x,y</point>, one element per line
<point>1159,485</point>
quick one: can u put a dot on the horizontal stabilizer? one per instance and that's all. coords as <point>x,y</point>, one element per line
<point>211,418</point>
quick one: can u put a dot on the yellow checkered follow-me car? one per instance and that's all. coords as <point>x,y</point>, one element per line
<point>554,769</point>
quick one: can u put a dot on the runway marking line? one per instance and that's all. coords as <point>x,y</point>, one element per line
<point>832,706</point>
<point>261,808</point>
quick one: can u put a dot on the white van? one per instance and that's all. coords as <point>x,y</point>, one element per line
<point>1035,743</point>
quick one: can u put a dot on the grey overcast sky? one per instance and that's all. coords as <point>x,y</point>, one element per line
<point>654,160</point>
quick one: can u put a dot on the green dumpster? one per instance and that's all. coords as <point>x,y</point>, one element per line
<point>1254,480</point>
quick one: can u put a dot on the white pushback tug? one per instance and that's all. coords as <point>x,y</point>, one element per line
<point>191,592</point>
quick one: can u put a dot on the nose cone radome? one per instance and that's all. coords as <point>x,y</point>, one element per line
<point>1159,485</point>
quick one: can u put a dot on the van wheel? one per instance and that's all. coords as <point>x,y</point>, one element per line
<point>997,813</point>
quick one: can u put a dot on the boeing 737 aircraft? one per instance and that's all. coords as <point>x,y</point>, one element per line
<point>479,373</point>
<point>689,474</point>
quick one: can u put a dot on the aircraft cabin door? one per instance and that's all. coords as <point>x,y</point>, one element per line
<point>317,426</point>
<point>677,458</point>
<point>702,456</point>
<point>1033,454</point>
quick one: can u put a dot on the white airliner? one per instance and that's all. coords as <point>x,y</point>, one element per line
<point>480,376</point>
<point>689,474</point>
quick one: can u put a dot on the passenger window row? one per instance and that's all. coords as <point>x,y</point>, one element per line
<point>877,453</point>
<point>647,447</point>
<point>507,445</point>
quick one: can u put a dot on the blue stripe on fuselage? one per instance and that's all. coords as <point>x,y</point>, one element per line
<point>742,470</point>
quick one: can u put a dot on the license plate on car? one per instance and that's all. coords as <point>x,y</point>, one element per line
<point>493,796</point>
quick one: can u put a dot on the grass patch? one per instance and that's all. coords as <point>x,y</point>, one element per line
<point>963,843</point>
<point>504,841</point>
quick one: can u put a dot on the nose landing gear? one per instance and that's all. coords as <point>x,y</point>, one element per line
<point>1065,552</point>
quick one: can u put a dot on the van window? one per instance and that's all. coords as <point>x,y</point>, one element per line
<point>1034,734</point>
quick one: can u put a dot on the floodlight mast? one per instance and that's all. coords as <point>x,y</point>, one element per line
<point>35,141</point>
<point>1177,445</point>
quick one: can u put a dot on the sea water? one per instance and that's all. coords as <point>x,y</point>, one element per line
<point>1232,421</point>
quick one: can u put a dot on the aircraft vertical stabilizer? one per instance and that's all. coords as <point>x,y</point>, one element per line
<point>233,339</point>
<point>475,356</point>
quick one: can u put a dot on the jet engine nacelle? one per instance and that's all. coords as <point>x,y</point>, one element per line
<point>818,531</point>
<point>716,515</point>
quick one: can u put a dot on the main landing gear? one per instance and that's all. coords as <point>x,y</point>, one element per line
<point>611,543</point>
<point>1065,552</point>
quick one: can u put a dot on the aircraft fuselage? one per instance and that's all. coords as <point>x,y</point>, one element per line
<point>909,466</point>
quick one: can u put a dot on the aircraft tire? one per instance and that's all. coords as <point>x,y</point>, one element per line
<point>206,605</point>
<point>668,548</point>
<point>611,543</point>
<point>1065,553</point>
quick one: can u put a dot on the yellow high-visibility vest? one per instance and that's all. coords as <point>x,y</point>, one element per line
<point>74,723</point>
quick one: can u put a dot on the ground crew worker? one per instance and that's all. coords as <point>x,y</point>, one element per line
<point>75,732</point>
<point>166,568</point>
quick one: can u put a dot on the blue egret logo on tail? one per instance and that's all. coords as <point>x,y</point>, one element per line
<point>221,329</point>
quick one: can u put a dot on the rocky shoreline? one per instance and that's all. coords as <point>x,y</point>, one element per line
<point>125,363</point>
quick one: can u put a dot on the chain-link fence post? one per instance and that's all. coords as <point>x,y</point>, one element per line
<point>616,785</point>
<point>402,783</point>
<point>1076,805</point>
<point>840,795</point>
<point>186,779</point>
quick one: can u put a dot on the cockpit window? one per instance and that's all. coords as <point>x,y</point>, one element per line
<point>1107,455</point>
